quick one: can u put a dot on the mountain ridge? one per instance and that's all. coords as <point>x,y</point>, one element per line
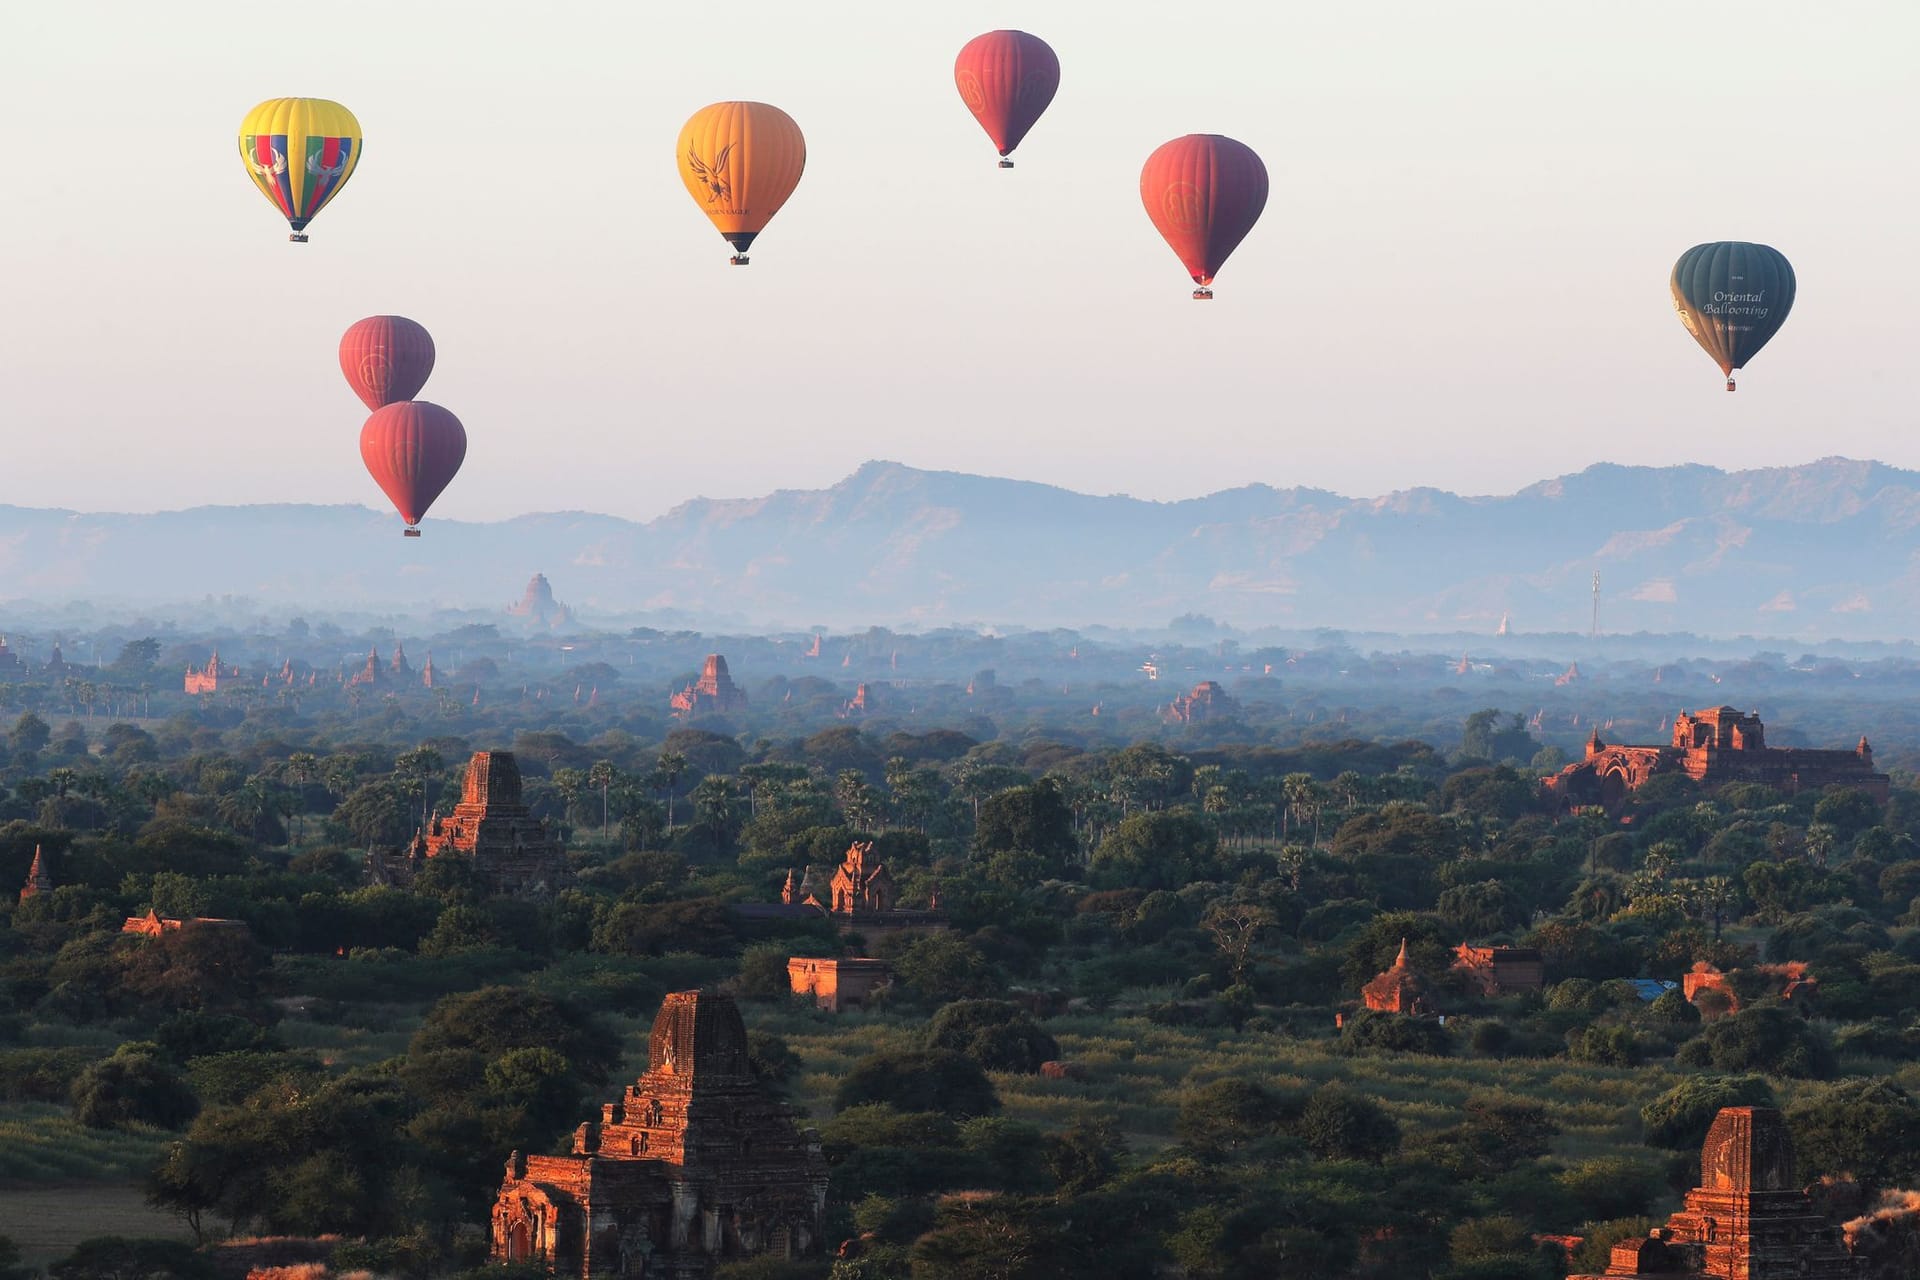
<point>1831,545</point>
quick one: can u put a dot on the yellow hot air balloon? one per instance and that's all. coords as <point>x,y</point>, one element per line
<point>300,152</point>
<point>740,161</point>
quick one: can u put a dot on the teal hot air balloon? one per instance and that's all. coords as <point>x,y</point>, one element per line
<point>1732,296</point>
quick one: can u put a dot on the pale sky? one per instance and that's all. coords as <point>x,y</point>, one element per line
<point>1460,278</point>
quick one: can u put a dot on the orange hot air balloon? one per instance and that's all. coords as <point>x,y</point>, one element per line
<point>386,358</point>
<point>740,161</point>
<point>413,449</point>
<point>1006,78</point>
<point>1204,192</point>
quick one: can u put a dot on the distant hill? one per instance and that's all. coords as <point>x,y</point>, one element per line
<point>1831,548</point>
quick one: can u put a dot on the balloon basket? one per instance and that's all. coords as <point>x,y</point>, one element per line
<point>409,533</point>
<point>737,260</point>
<point>1203,294</point>
<point>298,237</point>
<point>1006,164</point>
<point>1729,384</point>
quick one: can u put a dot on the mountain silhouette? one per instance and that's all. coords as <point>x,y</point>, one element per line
<point>1830,548</point>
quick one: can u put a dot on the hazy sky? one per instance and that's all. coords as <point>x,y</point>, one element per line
<point>1460,278</point>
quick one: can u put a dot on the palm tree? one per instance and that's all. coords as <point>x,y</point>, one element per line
<point>301,769</point>
<point>713,803</point>
<point>569,783</point>
<point>416,768</point>
<point>603,775</point>
<point>668,770</point>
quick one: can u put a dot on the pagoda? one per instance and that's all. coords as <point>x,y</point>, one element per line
<point>695,1164</point>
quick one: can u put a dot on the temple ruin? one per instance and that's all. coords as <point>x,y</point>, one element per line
<point>695,1164</point>
<point>1397,989</point>
<point>212,677</point>
<point>510,850</point>
<point>1713,747</point>
<point>537,604</point>
<point>1208,701</point>
<point>1748,1219</point>
<point>39,878</point>
<point>836,985</point>
<point>714,693</point>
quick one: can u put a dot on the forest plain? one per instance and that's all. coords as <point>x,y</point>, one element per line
<point>1184,910</point>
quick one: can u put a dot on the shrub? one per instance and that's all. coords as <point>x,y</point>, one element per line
<point>1769,1039</point>
<point>1673,1007</point>
<point>1678,1119</point>
<point>998,1035</point>
<point>1371,1032</point>
<point>941,968</point>
<point>1228,1114</point>
<point>1481,1239</point>
<point>1609,1046</point>
<point>1868,1128</point>
<point>134,1086</point>
<point>1338,1125</point>
<point>1612,1186</point>
<point>922,1080</point>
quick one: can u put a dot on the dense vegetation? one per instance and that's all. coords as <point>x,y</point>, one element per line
<point>1178,917</point>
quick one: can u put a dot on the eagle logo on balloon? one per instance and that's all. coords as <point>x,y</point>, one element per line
<point>719,185</point>
<point>274,170</point>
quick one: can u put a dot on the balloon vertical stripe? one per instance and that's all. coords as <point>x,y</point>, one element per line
<point>1732,297</point>
<point>1203,192</point>
<point>300,152</point>
<point>1007,79</point>
<point>413,450</point>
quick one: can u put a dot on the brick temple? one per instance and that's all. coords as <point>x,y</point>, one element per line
<point>212,677</point>
<point>714,693</point>
<point>1501,971</point>
<point>1748,1219</point>
<point>1714,748</point>
<point>1207,701</point>
<point>1397,989</point>
<point>39,878</point>
<point>694,1165</point>
<point>836,985</point>
<point>863,899</point>
<point>511,851</point>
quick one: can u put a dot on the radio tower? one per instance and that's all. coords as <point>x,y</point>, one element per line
<point>1596,604</point>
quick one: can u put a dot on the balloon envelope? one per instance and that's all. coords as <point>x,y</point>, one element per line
<point>300,152</point>
<point>413,450</point>
<point>1006,78</point>
<point>740,162</point>
<point>1732,296</point>
<point>386,358</point>
<point>1204,193</point>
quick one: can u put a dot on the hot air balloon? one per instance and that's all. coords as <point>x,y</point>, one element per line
<point>386,358</point>
<point>1732,296</point>
<point>413,449</point>
<point>300,152</point>
<point>740,161</point>
<point>1006,78</point>
<point>1204,193</point>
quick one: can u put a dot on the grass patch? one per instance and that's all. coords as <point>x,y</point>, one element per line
<point>1138,1072</point>
<point>47,1222</point>
<point>41,1143</point>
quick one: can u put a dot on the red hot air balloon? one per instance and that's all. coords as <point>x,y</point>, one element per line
<point>1006,78</point>
<point>1204,193</point>
<point>413,449</point>
<point>386,358</point>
